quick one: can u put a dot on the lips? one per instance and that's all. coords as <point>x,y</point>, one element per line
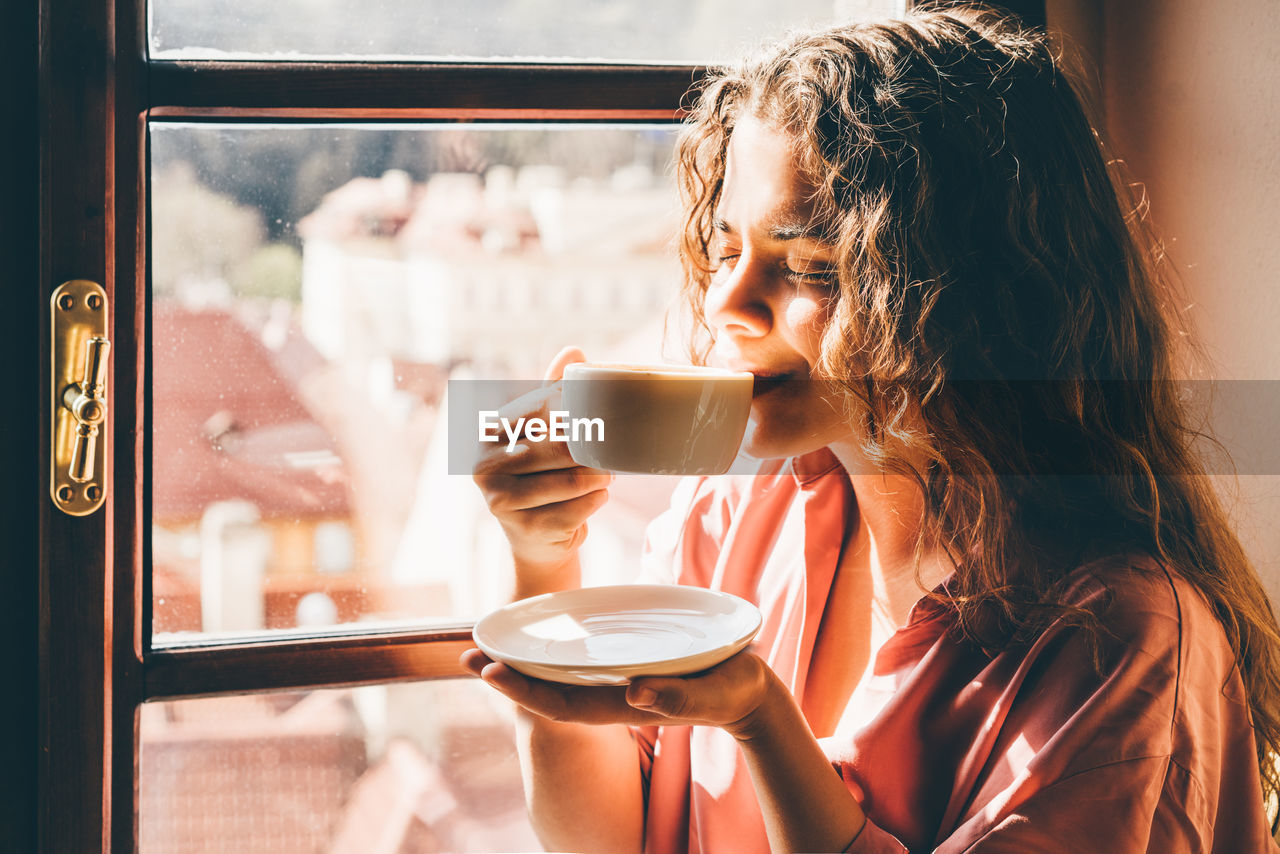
<point>767,381</point>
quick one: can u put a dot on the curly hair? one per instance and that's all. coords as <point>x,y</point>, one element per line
<point>1002,312</point>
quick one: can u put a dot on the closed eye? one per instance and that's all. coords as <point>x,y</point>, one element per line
<point>723,253</point>
<point>812,276</point>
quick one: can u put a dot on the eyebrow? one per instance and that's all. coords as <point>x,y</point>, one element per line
<point>783,232</point>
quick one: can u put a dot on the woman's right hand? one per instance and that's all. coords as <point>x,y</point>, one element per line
<point>541,497</point>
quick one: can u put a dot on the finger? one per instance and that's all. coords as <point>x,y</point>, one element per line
<point>535,695</point>
<point>527,491</point>
<point>667,697</point>
<point>724,694</point>
<point>565,357</point>
<point>563,516</point>
<point>532,403</point>
<point>525,458</point>
<point>601,704</point>
<point>474,660</point>
<point>506,679</point>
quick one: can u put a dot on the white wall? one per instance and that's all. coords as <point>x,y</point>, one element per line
<point>1191,98</point>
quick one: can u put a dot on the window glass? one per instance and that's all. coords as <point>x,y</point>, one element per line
<point>666,31</point>
<point>314,292</point>
<point>406,767</point>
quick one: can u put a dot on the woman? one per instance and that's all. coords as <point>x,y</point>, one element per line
<point>1001,601</point>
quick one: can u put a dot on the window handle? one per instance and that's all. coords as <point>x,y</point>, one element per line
<point>88,404</point>
<point>80,347</point>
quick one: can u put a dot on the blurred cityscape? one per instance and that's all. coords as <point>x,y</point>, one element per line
<point>299,469</point>
<point>397,769</point>
<point>691,31</point>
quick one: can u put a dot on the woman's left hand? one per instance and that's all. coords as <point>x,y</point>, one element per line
<point>728,695</point>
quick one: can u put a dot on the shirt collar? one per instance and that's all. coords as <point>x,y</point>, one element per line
<point>807,468</point>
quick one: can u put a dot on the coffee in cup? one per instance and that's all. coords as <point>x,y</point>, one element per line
<point>656,419</point>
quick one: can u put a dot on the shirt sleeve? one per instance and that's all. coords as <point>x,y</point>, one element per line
<point>1104,809</point>
<point>1132,738</point>
<point>1160,757</point>
<point>1115,808</point>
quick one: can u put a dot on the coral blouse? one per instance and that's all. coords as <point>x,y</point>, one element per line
<point>947,748</point>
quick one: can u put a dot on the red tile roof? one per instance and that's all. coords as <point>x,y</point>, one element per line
<point>246,774</point>
<point>289,774</point>
<point>228,424</point>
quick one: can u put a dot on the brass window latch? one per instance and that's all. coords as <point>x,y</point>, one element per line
<point>78,458</point>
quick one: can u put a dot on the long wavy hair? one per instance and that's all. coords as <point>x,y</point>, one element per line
<point>1001,312</point>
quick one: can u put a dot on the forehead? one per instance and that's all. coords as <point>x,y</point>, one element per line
<point>763,184</point>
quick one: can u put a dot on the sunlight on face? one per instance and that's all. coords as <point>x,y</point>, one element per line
<point>773,293</point>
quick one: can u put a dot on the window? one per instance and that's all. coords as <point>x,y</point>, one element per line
<point>309,330</point>
<point>265,221</point>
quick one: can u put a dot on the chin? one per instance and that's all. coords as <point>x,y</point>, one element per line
<point>765,444</point>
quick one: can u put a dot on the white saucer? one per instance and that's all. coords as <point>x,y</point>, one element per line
<point>609,635</point>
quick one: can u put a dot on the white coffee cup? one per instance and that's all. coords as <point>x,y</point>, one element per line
<point>656,419</point>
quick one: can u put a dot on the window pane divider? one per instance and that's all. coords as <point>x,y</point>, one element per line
<point>407,114</point>
<point>361,89</point>
<point>302,663</point>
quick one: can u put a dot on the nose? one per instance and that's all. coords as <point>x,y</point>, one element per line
<point>738,300</point>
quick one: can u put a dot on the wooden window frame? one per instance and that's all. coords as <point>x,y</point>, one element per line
<point>78,626</point>
<point>94,661</point>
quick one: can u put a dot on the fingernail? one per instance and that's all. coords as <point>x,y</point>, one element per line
<point>644,697</point>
